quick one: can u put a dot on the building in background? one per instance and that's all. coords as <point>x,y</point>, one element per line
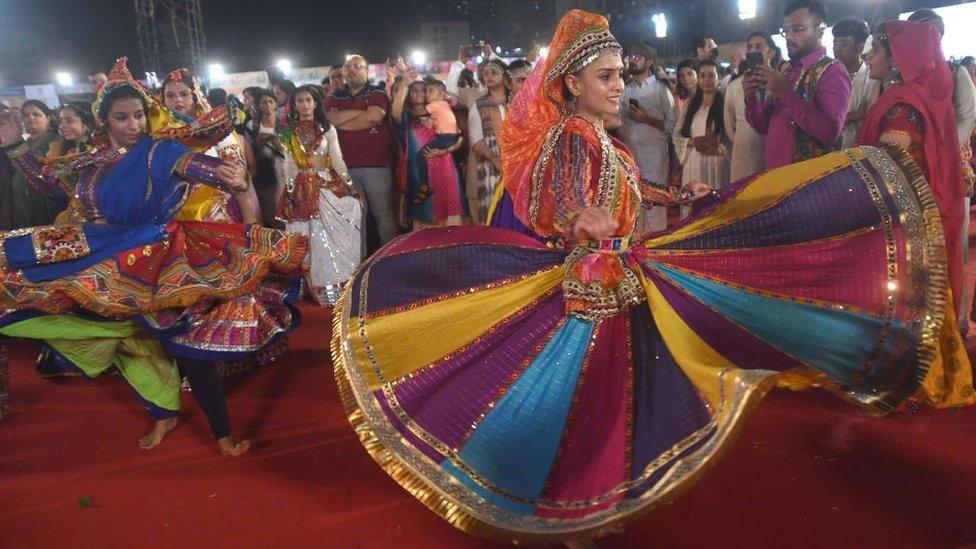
<point>523,24</point>
<point>440,39</point>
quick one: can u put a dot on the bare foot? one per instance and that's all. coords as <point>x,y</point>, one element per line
<point>156,434</point>
<point>581,543</point>
<point>230,446</point>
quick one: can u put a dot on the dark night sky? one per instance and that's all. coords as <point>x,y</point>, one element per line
<point>241,34</point>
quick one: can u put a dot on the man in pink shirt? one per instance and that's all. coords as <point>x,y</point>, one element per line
<point>801,112</point>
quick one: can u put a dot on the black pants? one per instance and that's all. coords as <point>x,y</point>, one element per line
<point>208,389</point>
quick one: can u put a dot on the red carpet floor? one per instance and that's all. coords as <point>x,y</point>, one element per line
<point>807,472</point>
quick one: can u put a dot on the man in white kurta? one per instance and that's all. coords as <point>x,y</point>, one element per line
<point>748,146</point>
<point>850,40</point>
<point>646,127</point>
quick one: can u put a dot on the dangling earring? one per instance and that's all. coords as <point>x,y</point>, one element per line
<point>575,102</point>
<point>895,75</point>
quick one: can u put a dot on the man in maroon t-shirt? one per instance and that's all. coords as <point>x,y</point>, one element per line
<point>359,114</point>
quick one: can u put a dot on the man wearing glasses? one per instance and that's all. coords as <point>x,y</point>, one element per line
<point>358,112</point>
<point>648,116</point>
<point>801,112</point>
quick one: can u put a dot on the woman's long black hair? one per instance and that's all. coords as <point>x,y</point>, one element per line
<point>121,92</point>
<point>501,65</point>
<point>684,64</point>
<point>716,113</point>
<point>52,122</point>
<point>83,110</point>
<point>318,114</point>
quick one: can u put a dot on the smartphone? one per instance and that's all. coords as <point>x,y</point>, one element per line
<point>473,50</point>
<point>755,59</point>
<point>634,103</point>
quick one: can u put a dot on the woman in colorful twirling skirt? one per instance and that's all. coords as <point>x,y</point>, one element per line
<point>560,389</point>
<point>131,287</point>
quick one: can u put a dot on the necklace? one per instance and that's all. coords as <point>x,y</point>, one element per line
<point>309,135</point>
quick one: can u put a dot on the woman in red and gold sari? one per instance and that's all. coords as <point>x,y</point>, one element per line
<point>565,387</point>
<point>915,112</point>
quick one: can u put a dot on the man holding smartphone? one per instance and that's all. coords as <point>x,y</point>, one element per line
<point>748,146</point>
<point>647,117</point>
<point>801,112</point>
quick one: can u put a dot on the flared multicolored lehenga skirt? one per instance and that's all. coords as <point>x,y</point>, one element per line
<point>467,381</point>
<point>207,291</point>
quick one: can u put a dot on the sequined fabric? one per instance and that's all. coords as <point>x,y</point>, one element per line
<point>519,419</point>
<point>320,204</point>
<point>334,244</point>
<point>928,86</point>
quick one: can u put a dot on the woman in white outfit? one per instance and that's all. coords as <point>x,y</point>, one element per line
<point>318,199</point>
<point>699,135</point>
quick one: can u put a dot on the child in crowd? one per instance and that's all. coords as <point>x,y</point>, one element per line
<point>442,121</point>
<point>442,118</point>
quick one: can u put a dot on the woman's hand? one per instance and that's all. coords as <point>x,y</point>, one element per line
<point>434,153</point>
<point>595,223</point>
<point>707,145</point>
<point>496,163</point>
<point>696,190</point>
<point>233,176</point>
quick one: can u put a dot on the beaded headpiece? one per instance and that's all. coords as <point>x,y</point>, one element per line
<point>580,38</point>
<point>119,77</point>
<point>588,46</point>
<point>199,134</point>
<point>519,70</point>
<point>83,110</point>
